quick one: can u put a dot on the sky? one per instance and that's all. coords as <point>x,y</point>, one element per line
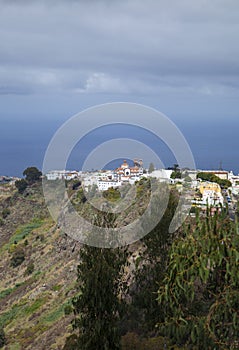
<point>59,57</point>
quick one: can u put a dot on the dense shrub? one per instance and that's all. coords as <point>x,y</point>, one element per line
<point>68,309</point>
<point>21,185</point>
<point>18,257</point>
<point>30,268</point>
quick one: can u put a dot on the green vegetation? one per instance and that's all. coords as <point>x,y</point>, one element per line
<point>176,175</point>
<point>68,309</point>
<point>57,287</point>
<point>184,287</point>
<point>200,291</point>
<point>81,196</point>
<point>112,194</point>
<point>4,293</point>
<point>18,257</point>
<point>143,187</point>
<point>55,314</point>
<point>132,341</point>
<point>213,178</point>
<point>10,315</point>
<point>151,265</point>
<point>71,343</point>
<point>99,307</point>
<point>2,337</point>
<point>151,167</point>
<point>30,268</point>
<point>23,231</point>
<point>30,309</point>
<point>32,175</point>
<point>21,185</point>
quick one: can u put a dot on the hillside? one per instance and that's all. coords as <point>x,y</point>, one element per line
<point>38,265</point>
<point>35,292</point>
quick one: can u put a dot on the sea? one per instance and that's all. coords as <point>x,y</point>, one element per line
<point>24,144</point>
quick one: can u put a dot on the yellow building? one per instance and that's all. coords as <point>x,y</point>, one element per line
<point>211,194</point>
<point>209,186</point>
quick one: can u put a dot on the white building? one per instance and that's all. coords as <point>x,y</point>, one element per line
<point>212,198</point>
<point>108,179</point>
<point>125,172</point>
<point>211,195</point>
<point>233,178</point>
<point>163,175</point>
<point>89,180</point>
<point>104,185</point>
<point>62,175</point>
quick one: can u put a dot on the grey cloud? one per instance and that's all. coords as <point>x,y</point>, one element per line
<point>120,46</point>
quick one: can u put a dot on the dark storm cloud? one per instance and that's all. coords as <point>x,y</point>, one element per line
<point>119,46</point>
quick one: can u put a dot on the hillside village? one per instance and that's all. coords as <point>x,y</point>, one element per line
<point>202,193</point>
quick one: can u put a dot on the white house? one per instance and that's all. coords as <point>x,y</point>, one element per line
<point>107,179</point>
<point>104,185</point>
<point>62,175</point>
<point>89,179</point>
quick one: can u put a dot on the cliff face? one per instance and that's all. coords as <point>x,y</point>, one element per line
<point>37,272</point>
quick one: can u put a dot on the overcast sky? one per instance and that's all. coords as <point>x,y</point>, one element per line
<point>58,57</point>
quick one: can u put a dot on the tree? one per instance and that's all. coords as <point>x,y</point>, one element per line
<point>21,185</point>
<point>99,305</point>
<point>200,291</point>
<point>150,268</point>
<point>32,174</point>
<point>175,167</point>
<point>213,178</point>
<point>151,167</point>
<point>176,175</point>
